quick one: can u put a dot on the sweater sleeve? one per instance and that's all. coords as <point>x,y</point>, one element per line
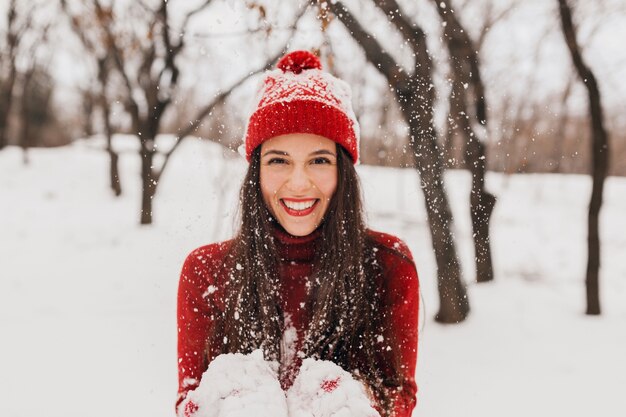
<point>195,316</point>
<point>403,303</point>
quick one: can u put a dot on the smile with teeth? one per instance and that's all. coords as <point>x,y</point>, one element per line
<point>298,207</point>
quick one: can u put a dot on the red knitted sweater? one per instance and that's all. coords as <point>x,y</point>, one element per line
<point>200,300</point>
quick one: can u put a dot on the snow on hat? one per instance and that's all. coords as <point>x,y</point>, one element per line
<point>298,97</point>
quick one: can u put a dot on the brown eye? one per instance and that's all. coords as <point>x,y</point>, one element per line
<point>320,161</point>
<point>274,161</point>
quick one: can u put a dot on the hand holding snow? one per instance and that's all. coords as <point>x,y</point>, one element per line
<point>324,389</point>
<point>237,385</point>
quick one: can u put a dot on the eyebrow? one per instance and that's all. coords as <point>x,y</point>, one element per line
<point>318,152</point>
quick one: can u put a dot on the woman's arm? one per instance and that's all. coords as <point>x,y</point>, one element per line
<point>403,303</point>
<point>195,319</point>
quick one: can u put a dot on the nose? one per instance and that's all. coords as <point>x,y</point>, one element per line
<point>299,180</point>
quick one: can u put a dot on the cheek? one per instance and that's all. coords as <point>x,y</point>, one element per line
<point>327,184</point>
<point>269,186</point>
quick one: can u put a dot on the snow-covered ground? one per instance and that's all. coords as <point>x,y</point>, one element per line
<point>87,296</point>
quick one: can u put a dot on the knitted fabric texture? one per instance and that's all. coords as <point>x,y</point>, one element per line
<point>299,97</point>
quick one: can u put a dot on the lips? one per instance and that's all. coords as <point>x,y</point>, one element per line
<point>298,207</point>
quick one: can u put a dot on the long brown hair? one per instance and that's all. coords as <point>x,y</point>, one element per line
<point>346,317</point>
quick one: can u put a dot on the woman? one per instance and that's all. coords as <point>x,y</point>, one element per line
<point>310,300</point>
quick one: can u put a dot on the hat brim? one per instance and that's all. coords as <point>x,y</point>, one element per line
<point>301,116</point>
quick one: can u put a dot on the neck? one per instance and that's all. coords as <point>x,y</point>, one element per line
<point>295,248</point>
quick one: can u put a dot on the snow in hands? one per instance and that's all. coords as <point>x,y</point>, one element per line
<point>323,388</point>
<point>237,385</point>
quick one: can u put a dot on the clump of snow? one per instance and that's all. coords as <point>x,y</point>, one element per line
<point>324,389</point>
<point>238,385</point>
<point>210,290</point>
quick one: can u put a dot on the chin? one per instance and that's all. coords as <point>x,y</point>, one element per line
<point>299,230</point>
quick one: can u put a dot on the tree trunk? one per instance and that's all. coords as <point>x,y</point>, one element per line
<point>482,204</point>
<point>468,109</point>
<point>416,98</point>
<point>600,158</point>
<point>6,103</point>
<point>114,173</point>
<point>449,149</point>
<point>25,139</point>
<point>6,86</point>
<point>453,301</point>
<point>88,109</point>
<point>148,185</point>
<point>4,115</point>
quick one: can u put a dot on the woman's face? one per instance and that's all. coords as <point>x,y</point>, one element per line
<point>298,179</point>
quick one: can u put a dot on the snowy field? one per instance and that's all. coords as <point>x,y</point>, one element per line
<point>87,296</point>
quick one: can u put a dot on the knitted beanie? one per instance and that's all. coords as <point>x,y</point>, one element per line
<point>298,97</point>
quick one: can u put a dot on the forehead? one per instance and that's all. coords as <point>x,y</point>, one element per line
<point>294,143</point>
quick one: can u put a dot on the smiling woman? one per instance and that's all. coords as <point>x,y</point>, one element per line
<point>305,311</point>
<point>298,179</point>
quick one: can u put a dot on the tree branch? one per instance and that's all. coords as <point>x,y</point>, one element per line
<point>374,51</point>
<point>204,112</point>
<point>490,20</point>
<point>420,81</point>
<point>195,11</point>
<point>118,59</point>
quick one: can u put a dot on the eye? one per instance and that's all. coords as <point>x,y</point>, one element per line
<point>278,161</point>
<point>320,161</point>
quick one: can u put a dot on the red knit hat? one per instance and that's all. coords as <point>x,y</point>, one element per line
<point>298,97</point>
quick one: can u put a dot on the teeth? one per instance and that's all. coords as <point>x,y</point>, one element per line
<point>299,206</point>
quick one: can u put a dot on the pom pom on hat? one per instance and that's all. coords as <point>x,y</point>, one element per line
<point>299,61</point>
<point>298,97</point>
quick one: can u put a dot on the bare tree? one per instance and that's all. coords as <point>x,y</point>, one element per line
<point>600,156</point>
<point>35,88</point>
<point>93,39</point>
<point>564,120</point>
<point>469,111</point>
<point>35,106</point>
<point>145,55</point>
<point>18,22</point>
<point>490,18</point>
<point>415,94</point>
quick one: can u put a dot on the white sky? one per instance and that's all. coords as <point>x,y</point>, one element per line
<point>514,53</point>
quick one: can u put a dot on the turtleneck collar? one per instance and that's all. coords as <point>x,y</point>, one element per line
<point>295,248</point>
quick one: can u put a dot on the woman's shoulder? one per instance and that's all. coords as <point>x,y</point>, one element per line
<point>212,250</point>
<point>399,273</point>
<point>390,245</point>
<point>207,258</point>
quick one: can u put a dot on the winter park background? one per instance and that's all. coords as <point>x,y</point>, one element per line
<point>87,295</point>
